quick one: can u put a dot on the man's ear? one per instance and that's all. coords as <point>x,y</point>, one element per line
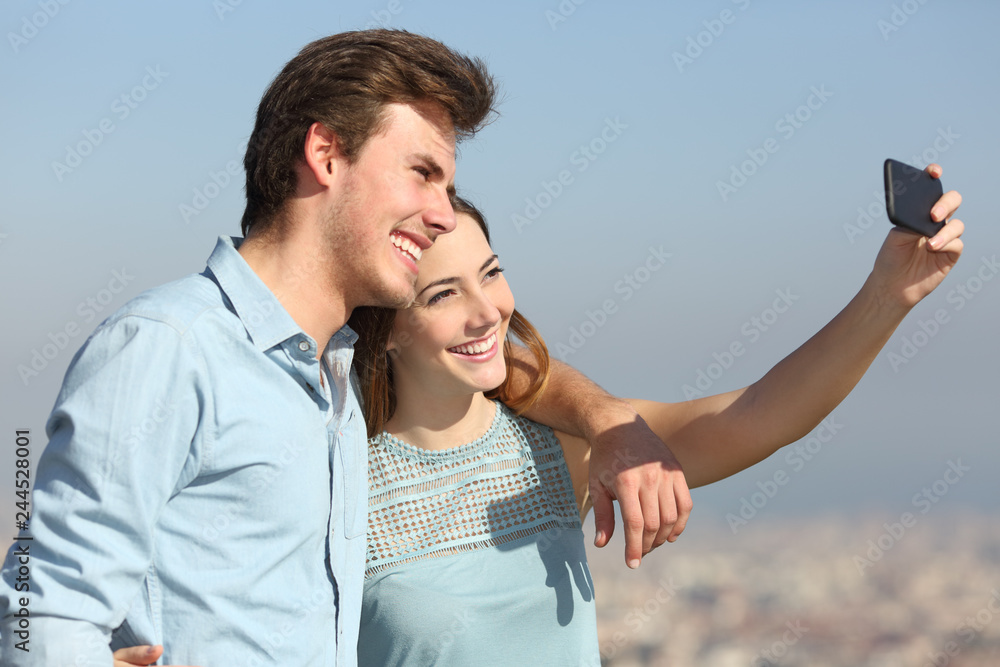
<point>322,153</point>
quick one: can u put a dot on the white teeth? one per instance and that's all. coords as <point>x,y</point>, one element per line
<point>407,246</point>
<point>476,348</point>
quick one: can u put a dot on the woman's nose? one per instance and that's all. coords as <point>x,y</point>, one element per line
<point>483,312</point>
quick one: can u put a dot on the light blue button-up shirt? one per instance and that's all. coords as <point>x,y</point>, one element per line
<point>201,489</point>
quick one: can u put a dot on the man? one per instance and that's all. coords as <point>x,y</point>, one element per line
<point>232,531</point>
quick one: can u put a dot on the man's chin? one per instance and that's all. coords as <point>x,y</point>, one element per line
<point>405,299</point>
<point>397,299</point>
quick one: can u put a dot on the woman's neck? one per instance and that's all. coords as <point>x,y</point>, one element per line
<point>433,422</point>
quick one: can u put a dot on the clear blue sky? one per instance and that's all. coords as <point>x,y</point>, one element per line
<point>666,98</point>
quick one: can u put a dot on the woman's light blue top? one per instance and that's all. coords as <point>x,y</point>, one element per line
<point>475,554</point>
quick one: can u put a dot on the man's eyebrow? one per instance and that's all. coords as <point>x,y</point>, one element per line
<point>432,164</point>
<point>435,169</point>
<point>454,279</point>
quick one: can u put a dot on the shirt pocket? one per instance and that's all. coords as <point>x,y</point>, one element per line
<point>352,449</point>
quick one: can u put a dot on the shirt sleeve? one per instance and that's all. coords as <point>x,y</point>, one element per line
<point>123,437</point>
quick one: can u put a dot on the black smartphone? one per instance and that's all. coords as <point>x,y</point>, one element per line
<point>909,195</point>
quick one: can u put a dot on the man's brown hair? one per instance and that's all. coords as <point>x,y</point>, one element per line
<point>344,82</point>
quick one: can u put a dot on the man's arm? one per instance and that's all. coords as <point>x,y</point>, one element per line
<point>119,438</point>
<point>628,462</point>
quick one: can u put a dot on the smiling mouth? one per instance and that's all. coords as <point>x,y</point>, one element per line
<point>475,348</point>
<point>407,247</point>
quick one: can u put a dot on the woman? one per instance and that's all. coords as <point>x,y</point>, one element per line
<point>473,518</point>
<point>475,553</point>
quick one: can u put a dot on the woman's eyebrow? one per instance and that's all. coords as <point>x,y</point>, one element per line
<point>454,279</point>
<point>488,262</point>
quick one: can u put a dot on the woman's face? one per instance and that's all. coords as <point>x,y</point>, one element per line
<point>450,341</point>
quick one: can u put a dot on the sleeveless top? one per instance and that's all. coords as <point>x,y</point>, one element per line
<point>475,554</point>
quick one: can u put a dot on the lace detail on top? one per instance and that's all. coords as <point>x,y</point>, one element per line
<point>510,483</point>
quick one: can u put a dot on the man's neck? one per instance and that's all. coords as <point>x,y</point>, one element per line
<point>298,274</point>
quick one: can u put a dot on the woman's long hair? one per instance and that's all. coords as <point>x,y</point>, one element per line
<point>371,359</point>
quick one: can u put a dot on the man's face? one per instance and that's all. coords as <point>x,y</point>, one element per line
<point>396,201</point>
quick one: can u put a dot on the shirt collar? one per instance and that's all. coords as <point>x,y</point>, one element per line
<point>347,335</point>
<point>263,316</point>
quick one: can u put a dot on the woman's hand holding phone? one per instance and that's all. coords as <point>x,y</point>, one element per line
<point>910,265</point>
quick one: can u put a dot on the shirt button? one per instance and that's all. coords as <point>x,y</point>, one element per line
<point>304,346</point>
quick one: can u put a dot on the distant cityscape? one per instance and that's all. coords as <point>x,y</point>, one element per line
<point>821,592</point>
<point>816,592</point>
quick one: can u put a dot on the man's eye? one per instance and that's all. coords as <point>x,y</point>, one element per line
<point>423,171</point>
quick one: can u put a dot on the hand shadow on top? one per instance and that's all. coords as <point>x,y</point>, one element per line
<point>558,544</point>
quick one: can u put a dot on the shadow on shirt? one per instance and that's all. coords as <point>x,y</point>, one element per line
<point>556,541</point>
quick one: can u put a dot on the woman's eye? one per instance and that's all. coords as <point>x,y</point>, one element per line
<point>494,272</point>
<point>440,295</point>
